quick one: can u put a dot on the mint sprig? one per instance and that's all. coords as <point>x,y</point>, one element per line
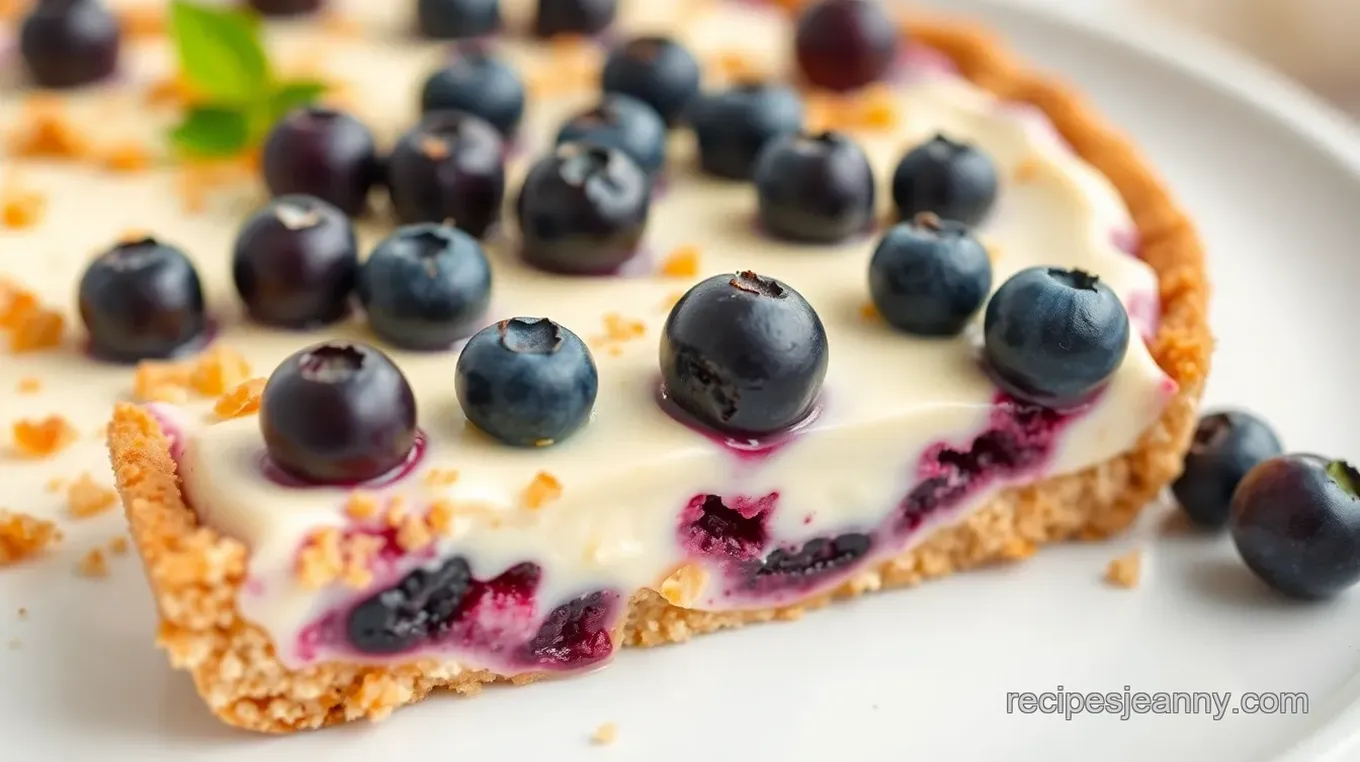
<point>222,55</point>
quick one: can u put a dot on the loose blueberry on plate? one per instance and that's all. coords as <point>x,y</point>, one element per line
<point>574,17</point>
<point>425,286</point>
<point>744,355</point>
<point>142,300</point>
<point>929,277</point>
<point>1053,337</point>
<point>953,180</point>
<point>731,126</point>
<point>528,382</point>
<point>294,263</point>
<point>458,19</point>
<point>845,44</point>
<point>583,209</point>
<point>422,605</point>
<point>338,413</point>
<point>325,153</point>
<point>1227,445</point>
<point>450,167</point>
<point>657,71</point>
<point>622,122</point>
<point>814,188</point>
<point>285,7</point>
<point>1296,522</point>
<point>68,43</point>
<point>477,83</point>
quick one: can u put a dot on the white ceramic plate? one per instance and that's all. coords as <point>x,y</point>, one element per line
<point>1273,180</point>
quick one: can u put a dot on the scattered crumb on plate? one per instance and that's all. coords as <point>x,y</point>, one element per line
<point>93,564</point>
<point>15,644</point>
<point>1126,570</point>
<point>605,734</point>
<point>23,536</point>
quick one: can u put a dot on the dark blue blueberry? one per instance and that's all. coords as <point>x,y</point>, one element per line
<point>574,17</point>
<point>815,558</point>
<point>583,209</point>
<point>425,286</point>
<point>142,300</point>
<point>294,263</point>
<point>324,153</point>
<point>285,7</point>
<point>1053,337</point>
<point>621,122</point>
<point>1296,522</point>
<point>338,413</point>
<point>458,19</point>
<point>731,126</point>
<point>423,605</point>
<point>657,71</point>
<point>744,355</point>
<point>574,635</point>
<point>68,43</point>
<point>1226,446</point>
<point>477,83</point>
<point>528,382</point>
<point>845,44</point>
<point>814,188</point>
<point>449,168</point>
<point>929,277</point>
<point>953,180</point>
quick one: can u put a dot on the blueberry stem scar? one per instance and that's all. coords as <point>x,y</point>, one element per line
<point>1345,476</point>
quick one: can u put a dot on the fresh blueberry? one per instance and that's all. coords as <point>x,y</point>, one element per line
<point>528,382</point>
<point>68,43</point>
<point>285,7</point>
<point>574,635</point>
<point>324,153</point>
<point>621,122</point>
<point>449,168</point>
<point>477,83</point>
<point>1226,446</point>
<point>845,44</point>
<point>1053,337</point>
<point>731,126</point>
<point>458,19</point>
<point>142,300</point>
<point>1296,522</point>
<point>423,605</point>
<point>425,286</point>
<point>338,413</point>
<point>953,180</point>
<point>583,210</point>
<point>816,558</point>
<point>574,17</point>
<point>294,263</point>
<point>929,277</point>
<point>814,188</point>
<point>657,71</point>
<point>744,354</point>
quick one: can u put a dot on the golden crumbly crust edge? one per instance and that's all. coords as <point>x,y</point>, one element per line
<point>195,573</point>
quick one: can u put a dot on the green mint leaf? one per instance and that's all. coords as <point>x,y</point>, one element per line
<point>291,95</point>
<point>220,51</point>
<point>211,131</point>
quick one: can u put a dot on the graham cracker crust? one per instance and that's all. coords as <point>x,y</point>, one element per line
<point>195,573</point>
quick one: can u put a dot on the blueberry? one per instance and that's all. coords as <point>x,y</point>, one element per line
<point>814,188</point>
<point>285,7</point>
<point>477,83</point>
<point>816,557</point>
<point>338,413</point>
<point>744,354</point>
<point>575,634</point>
<point>142,300</point>
<point>1226,446</point>
<point>458,19</point>
<point>421,606</point>
<point>68,43</point>
<point>1053,337</point>
<point>845,44</point>
<point>574,17</point>
<point>953,180</point>
<point>294,263</point>
<point>929,277</point>
<point>731,126</point>
<point>450,167</point>
<point>657,71</point>
<point>425,286</point>
<point>621,122</point>
<point>528,382</point>
<point>1296,522</point>
<point>324,153</point>
<point>583,209</point>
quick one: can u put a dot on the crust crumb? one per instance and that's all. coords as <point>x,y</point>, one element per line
<point>160,381</point>
<point>119,546</point>
<point>23,536</point>
<point>11,10</point>
<point>31,325</point>
<point>341,25</point>
<point>48,132</point>
<point>440,477</point>
<point>683,586</point>
<point>43,437</point>
<point>682,263</point>
<point>93,564</point>
<point>217,370</point>
<point>21,207</point>
<point>544,489</point>
<point>1028,169</point>
<point>174,91</point>
<point>23,612</point>
<point>126,157</point>
<point>361,506</point>
<point>869,313</point>
<point>329,556</point>
<point>395,513</point>
<point>617,331</point>
<point>241,401</point>
<point>872,109</point>
<point>86,498</point>
<point>29,385</point>
<point>734,66</point>
<point>1125,571</point>
<point>142,21</point>
<point>440,517</point>
<point>605,734</point>
<point>55,484</point>
<point>414,533</point>
<point>573,65</point>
